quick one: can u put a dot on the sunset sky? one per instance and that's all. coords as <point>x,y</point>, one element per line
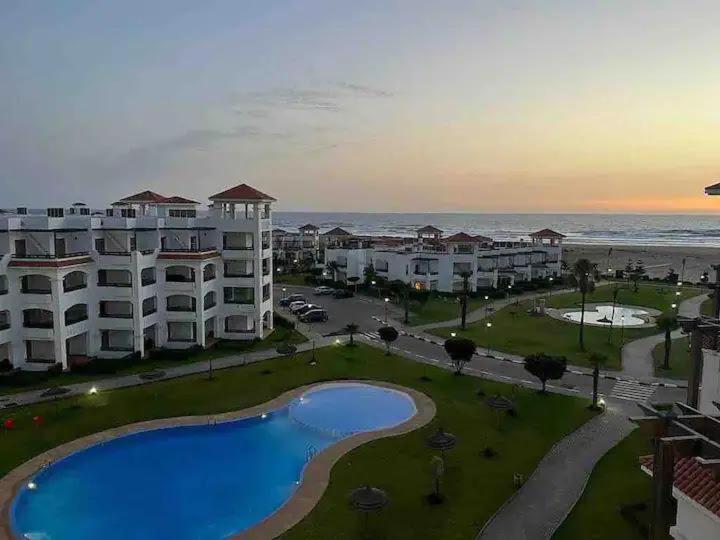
<point>418,105</point>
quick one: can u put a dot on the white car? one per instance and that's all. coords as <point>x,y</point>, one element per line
<point>297,304</point>
<point>322,290</point>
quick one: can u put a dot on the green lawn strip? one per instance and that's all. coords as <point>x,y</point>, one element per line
<point>475,486</point>
<point>707,308</point>
<point>515,331</point>
<point>292,279</point>
<point>439,309</point>
<point>616,480</point>
<point>35,380</point>
<point>679,359</point>
<point>658,296</point>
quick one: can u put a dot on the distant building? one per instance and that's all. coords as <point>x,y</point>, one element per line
<point>302,246</point>
<point>151,271</point>
<point>433,262</point>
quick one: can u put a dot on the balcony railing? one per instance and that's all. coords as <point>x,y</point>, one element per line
<point>38,324</point>
<point>238,248</point>
<point>187,250</point>
<point>71,288</point>
<point>149,311</point>
<point>175,278</point>
<point>106,315</point>
<point>239,300</point>
<point>240,330</point>
<point>239,275</point>
<point>31,290</point>
<point>181,308</point>
<point>51,255</point>
<point>75,319</point>
<point>113,284</point>
<point>114,253</point>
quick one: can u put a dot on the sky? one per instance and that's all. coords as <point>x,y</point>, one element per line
<point>378,106</point>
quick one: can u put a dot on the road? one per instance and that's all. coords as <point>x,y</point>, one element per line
<point>368,314</point>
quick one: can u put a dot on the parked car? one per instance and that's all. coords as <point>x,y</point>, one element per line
<point>290,299</point>
<point>343,293</point>
<point>323,290</point>
<point>304,309</point>
<point>314,315</point>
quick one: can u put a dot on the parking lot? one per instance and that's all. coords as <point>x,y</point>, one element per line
<point>341,312</point>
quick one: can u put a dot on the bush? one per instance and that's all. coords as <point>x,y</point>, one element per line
<point>5,365</point>
<point>310,280</point>
<point>282,321</point>
<point>489,452</point>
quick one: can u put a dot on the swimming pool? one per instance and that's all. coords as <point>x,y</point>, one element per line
<point>607,315</point>
<point>202,481</point>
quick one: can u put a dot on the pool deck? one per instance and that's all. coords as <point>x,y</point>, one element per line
<point>315,477</point>
<point>558,313</point>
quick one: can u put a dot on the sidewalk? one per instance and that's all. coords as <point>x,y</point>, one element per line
<point>113,383</point>
<point>547,497</point>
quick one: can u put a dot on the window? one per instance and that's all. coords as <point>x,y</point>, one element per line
<point>239,295</point>
<point>21,210</point>
<point>127,212</point>
<point>176,212</point>
<point>55,212</point>
<point>100,244</point>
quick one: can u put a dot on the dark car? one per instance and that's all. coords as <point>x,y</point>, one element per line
<point>314,315</point>
<point>343,293</point>
<point>307,307</point>
<point>292,298</point>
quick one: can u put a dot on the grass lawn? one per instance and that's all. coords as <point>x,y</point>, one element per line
<point>475,486</point>
<point>36,380</point>
<point>659,296</point>
<point>708,307</point>
<point>440,308</point>
<point>616,480</point>
<point>515,331</point>
<point>679,359</point>
<point>291,279</point>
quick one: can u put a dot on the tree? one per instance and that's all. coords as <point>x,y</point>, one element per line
<point>332,267</point>
<point>351,329</point>
<point>667,322</point>
<point>545,367</point>
<point>583,272</point>
<point>402,289</point>
<point>672,276</point>
<point>460,350</point>
<point>635,273</point>
<point>388,334</point>
<point>370,274</point>
<point>464,298</point>
<point>597,360</point>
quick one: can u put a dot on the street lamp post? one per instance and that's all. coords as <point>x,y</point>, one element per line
<point>488,326</point>
<point>386,309</point>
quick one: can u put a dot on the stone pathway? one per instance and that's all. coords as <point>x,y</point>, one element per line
<point>547,497</point>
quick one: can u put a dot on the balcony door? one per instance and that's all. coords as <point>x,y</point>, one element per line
<point>20,248</point>
<point>60,247</point>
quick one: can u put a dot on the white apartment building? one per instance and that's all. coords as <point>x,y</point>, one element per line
<point>302,246</point>
<point>433,262</point>
<point>151,271</point>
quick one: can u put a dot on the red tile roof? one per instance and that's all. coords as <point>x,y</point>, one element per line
<point>547,233</point>
<point>308,227</point>
<point>693,480</point>
<point>462,238</point>
<point>146,196</point>
<point>429,229</point>
<point>243,192</point>
<point>175,199</point>
<point>337,231</point>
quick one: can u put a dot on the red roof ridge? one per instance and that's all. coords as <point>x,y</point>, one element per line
<point>462,237</point>
<point>142,197</point>
<point>241,192</point>
<point>547,233</point>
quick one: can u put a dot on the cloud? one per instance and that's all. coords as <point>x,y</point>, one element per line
<point>363,90</point>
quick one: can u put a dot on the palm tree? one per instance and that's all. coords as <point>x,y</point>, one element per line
<point>464,298</point>
<point>597,360</point>
<point>388,334</point>
<point>351,329</point>
<point>667,322</point>
<point>583,272</point>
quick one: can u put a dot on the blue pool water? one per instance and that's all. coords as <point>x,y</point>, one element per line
<point>198,482</point>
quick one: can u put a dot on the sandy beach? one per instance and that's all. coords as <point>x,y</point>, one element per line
<point>658,259</point>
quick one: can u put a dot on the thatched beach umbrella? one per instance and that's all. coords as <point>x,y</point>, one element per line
<point>500,403</point>
<point>368,499</point>
<point>442,440</point>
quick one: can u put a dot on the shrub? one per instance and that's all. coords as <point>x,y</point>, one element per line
<point>282,321</point>
<point>489,452</point>
<point>5,365</point>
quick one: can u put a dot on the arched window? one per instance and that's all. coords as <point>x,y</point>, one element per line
<point>180,302</point>
<point>37,318</point>
<point>210,300</point>
<point>74,281</point>
<point>179,274</point>
<point>75,314</point>
<point>209,272</point>
<point>36,284</point>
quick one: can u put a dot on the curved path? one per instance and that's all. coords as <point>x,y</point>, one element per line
<point>637,359</point>
<point>542,504</point>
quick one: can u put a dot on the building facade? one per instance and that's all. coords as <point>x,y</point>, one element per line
<point>436,263</point>
<point>149,272</point>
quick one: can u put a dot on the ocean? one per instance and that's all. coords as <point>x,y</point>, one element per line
<point>598,229</point>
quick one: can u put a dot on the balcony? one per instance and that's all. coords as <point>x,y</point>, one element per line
<point>50,256</point>
<point>188,250</point>
<point>110,315</point>
<point>69,320</point>
<point>149,311</point>
<point>238,274</point>
<point>114,253</point>
<point>148,281</point>
<point>179,278</point>
<point>187,309</point>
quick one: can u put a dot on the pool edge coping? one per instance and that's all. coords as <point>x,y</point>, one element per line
<point>315,478</point>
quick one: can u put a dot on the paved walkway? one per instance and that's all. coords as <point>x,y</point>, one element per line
<point>113,383</point>
<point>542,504</point>
<point>637,359</point>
